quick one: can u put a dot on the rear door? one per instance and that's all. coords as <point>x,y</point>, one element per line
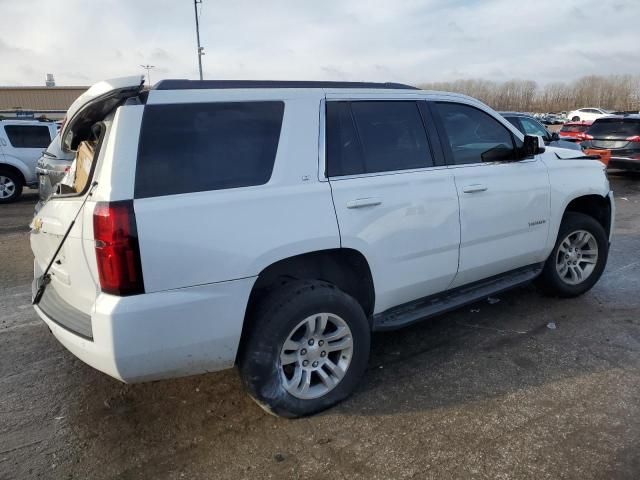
<point>504,204</point>
<point>395,200</point>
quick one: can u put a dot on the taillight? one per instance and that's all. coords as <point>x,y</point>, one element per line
<point>586,136</point>
<point>635,138</point>
<point>117,249</point>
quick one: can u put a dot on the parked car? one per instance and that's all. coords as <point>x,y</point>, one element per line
<point>552,119</point>
<point>528,125</point>
<point>275,225</point>
<point>619,135</point>
<point>574,131</point>
<point>51,168</point>
<point>21,143</point>
<point>588,114</point>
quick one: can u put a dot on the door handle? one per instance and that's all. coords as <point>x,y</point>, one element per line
<point>364,202</point>
<point>474,188</point>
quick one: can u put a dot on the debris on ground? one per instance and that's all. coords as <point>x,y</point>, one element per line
<point>551,325</point>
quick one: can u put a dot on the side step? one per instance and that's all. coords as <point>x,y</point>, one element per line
<point>412,312</point>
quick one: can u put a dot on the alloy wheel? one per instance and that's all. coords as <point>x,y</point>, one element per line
<point>7,187</point>
<point>316,355</point>
<point>577,257</point>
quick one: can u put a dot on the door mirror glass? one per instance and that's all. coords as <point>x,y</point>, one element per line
<point>533,145</point>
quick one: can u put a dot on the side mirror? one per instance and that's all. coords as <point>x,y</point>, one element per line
<point>555,136</point>
<point>533,145</point>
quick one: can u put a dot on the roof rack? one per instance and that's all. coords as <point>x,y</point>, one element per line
<point>184,84</point>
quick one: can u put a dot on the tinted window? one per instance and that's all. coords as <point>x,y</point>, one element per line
<point>206,146</point>
<point>514,121</point>
<point>531,127</point>
<point>28,136</point>
<point>369,137</point>
<point>344,152</point>
<point>615,127</point>
<point>473,134</point>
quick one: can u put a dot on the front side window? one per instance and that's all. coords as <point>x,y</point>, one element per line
<point>532,127</point>
<point>206,146</point>
<point>375,136</point>
<point>28,136</point>
<point>473,135</point>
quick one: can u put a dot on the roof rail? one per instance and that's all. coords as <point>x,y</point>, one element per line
<point>184,84</point>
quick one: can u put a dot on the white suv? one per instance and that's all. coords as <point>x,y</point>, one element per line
<point>274,225</point>
<point>21,144</point>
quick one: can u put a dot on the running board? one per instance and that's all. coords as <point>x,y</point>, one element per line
<point>423,308</point>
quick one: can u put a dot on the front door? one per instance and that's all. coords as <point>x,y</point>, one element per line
<point>504,203</point>
<point>394,203</point>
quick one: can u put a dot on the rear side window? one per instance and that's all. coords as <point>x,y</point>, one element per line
<point>615,127</point>
<point>376,136</point>
<point>206,146</point>
<point>28,136</point>
<point>473,134</point>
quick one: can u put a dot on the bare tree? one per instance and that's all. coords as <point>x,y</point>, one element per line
<point>615,92</point>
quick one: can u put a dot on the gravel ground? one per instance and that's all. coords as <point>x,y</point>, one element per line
<point>489,391</point>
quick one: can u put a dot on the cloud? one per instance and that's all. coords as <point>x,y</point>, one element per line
<point>411,41</point>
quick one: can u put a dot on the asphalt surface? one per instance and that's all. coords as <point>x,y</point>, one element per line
<point>488,391</point>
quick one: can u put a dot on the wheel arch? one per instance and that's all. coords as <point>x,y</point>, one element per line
<point>6,165</point>
<point>346,268</point>
<point>594,205</point>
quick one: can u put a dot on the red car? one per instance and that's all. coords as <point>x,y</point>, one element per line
<point>575,131</point>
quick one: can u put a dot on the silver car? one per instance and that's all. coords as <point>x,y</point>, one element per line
<point>51,168</point>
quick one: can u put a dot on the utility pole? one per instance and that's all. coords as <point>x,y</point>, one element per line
<point>200,49</point>
<point>148,69</point>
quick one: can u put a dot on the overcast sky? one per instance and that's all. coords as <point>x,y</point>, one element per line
<point>83,41</point>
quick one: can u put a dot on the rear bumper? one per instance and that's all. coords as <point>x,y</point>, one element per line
<point>164,334</point>
<point>624,163</point>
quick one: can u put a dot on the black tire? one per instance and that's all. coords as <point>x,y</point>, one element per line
<point>16,179</point>
<point>550,282</point>
<point>575,119</point>
<point>273,319</point>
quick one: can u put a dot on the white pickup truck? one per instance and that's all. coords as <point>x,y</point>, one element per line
<point>275,225</point>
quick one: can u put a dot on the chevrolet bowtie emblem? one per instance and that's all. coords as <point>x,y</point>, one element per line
<point>36,225</point>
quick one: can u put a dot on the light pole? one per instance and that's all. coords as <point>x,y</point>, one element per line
<point>148,69</point>
<point>200,49</point>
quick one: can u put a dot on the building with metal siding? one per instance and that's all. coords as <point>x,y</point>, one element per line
<point>35,102</point>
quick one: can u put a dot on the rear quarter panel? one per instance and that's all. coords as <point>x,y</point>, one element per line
<point>214,236</point>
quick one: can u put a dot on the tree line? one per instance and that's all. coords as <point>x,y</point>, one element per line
<point>614,92</point>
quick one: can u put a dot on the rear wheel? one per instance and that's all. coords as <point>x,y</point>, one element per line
<point>307,349</point>
<point>575,119</point>
<point>10,186</point>
<point>578,257</point>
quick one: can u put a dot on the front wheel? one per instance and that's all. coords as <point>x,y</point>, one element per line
<point>578,257</point>
<point>307,349</point>
<point>575,119</point>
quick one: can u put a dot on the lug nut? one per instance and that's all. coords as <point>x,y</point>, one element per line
<point>323,353</point>
<point>566,256</point>
<point>303,351</point>
<point>321,342</point>
<point>311,341</point>
<point>305,363</point>
<point>314,364</point>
